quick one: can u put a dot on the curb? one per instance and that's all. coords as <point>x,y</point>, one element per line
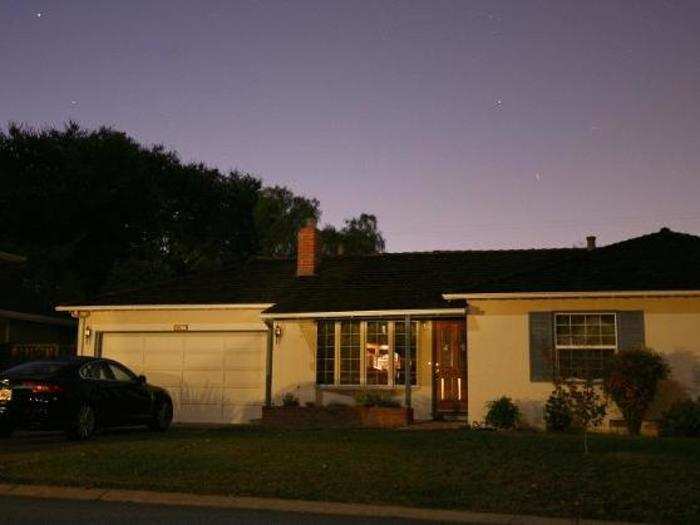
<point>283,505</point>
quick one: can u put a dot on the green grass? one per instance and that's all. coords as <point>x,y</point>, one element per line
<point>642,479</point>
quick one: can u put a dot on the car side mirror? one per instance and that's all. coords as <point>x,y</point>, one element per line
<point>141,380</point>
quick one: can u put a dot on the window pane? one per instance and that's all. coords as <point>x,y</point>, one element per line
<point>121,374</point>
<point>325,352</point>
<point>584,343</point>
<point>400,352</point>
<point>377,353</point>
<point>350,352</point>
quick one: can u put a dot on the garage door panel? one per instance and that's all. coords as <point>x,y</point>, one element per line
<point>202,377</point>
<point>243,378</point>
<point>251,359</point>
<point>235,396</point>
<point>212,377</point>
<point>201,395</point>
<point>165,378</point>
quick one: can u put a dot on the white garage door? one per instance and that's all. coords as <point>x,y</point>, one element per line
<point>213,377</point>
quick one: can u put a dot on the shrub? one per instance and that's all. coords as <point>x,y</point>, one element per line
<point>503,413</point>
<point>632,378</point>
<point>290,400</point>
<point>557,412</point>
<point>370,398</point>
<point>682,419</point>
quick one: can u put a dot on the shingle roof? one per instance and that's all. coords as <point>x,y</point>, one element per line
<point>665,260</point>
<point>258,281</point>
<point>396,281</point>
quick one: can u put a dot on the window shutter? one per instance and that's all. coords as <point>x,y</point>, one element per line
<point>630,330</point>
<point>541,347</point>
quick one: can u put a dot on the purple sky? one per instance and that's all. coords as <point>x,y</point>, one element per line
<point>460,124</point>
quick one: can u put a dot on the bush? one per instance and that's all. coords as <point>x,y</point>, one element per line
<point>682,420</point>
<point>370,398</point>
<point>631,381</point>
<point>503,413</point>
<point>557,412</point>
<point>290,400</point>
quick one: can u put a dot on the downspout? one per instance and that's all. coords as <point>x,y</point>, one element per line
<point>407,362</point>
<point>268,363</point>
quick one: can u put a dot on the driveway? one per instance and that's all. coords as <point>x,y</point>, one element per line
<point>34,511</point>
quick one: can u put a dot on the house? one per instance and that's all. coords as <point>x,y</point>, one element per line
<point>444,332</point>
<point>28,327</point>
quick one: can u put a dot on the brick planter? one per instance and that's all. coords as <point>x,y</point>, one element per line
<point>336,416</point>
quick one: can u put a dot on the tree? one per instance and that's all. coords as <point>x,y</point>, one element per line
<point>85,205</point>
<point>587,407</point>
<point>632,379</point>
<point>279,214</point>
<point>359,236</point>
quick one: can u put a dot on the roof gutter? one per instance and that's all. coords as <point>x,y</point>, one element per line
<point>97,308</point>
<point>36,318</point>
<point>571,295</point>
<point>435,312</point>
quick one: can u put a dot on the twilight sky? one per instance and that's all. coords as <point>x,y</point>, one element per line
<point>460,124</point>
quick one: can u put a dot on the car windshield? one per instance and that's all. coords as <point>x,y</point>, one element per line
<point>36,368</point>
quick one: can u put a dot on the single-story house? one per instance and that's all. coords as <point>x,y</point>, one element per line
<point>29,328</point>
<point>444,332</point>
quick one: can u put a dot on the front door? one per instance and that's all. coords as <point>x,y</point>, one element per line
<point>450,367</point>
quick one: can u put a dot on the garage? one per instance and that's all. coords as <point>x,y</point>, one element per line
<point>213,377</point>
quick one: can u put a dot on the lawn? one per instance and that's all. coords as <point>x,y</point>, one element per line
<point>643,479</point>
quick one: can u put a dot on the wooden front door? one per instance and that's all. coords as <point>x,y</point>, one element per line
<point>450,366</point>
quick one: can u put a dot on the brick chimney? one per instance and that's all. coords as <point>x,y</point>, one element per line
<point>308,250</point>
<point>590,242</point>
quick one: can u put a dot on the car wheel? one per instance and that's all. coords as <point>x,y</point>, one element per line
<point>162,417</point>
<point>84,424</point>
<point>6,431</point>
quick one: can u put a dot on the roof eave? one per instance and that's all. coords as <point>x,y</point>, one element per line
<point>570,295</point>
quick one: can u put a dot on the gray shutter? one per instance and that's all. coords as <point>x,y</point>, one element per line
<point>541,347</point>
<point>630,330</point>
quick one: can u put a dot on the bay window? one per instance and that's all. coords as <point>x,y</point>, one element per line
<point>359,353</point>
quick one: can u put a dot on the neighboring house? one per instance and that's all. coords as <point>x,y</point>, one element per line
<point>482,324</point>
<point>28,328</point>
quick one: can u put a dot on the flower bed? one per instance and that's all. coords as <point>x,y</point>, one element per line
<point>334,416</point>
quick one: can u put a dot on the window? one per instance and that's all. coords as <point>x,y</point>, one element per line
<point>96,370</point>
<point>584,343</point>
<point>400,352</point>
<point>349,353</point>
<point>325,353</point>
<point>377,353</point>
<point>371,353</point>
<point>121,374</point>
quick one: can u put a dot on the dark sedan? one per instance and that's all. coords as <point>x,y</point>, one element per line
<point>79,395</point>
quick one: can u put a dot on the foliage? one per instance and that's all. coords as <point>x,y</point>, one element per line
<point>290,400</point>
<point>631,380</point>
<point>94,211</point>
<point>586,405</point>
<point>359,236</point>
<point>557,412</point>
<point>682,419</point>
<point>372,398</point>
<point>502,413</point>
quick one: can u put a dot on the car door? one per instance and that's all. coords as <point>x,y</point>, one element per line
<point>132,402</point>
<point>98,390</point>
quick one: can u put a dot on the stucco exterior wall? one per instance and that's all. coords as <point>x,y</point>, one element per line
<point>294,370</point>
<point>498,348</point>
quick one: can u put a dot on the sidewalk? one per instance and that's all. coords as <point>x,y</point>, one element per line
<point>309,507</point>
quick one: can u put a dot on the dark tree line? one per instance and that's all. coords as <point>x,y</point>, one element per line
<point>95,211</point>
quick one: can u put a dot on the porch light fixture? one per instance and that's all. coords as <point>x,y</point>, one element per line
<point>278,331</point>
<point>88,332</point>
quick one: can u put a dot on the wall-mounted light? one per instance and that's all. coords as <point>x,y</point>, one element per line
<point>88,332</point>
<point>278,331</point>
